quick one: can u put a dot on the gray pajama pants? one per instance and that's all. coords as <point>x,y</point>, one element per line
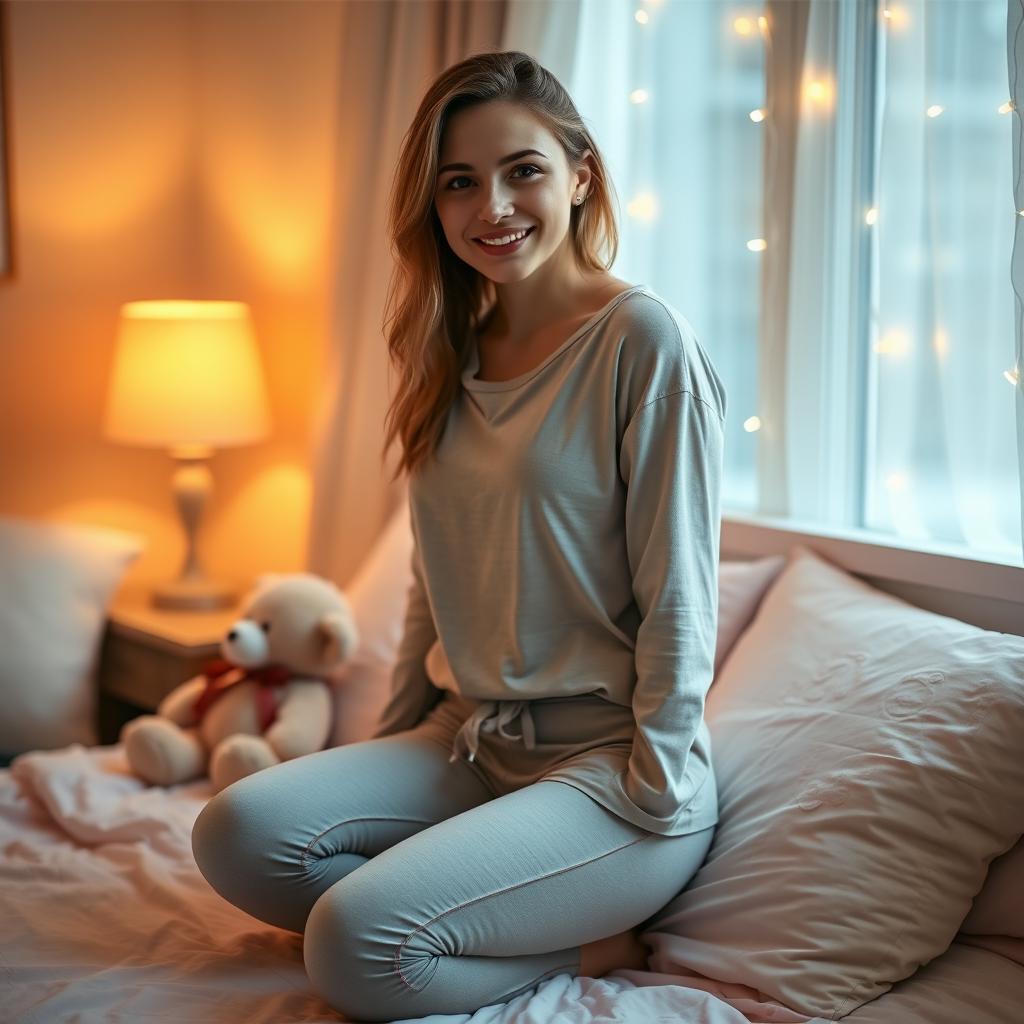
<point>425,886</point>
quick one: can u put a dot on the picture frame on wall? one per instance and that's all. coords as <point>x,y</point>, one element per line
<point>6,253</point>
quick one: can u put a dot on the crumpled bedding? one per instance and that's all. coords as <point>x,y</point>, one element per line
<point>106,917</point>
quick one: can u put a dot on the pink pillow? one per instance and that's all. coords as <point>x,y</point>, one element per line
<point>741,585</point>
<point>867,754</point>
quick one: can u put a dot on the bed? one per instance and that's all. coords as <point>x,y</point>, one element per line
<point>106,917</point>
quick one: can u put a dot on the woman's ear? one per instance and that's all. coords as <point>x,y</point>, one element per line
<point>584,174</point>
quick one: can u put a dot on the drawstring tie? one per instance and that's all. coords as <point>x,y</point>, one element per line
<point>491,716</point>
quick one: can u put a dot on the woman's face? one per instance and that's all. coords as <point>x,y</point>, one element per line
<point>488,196</point>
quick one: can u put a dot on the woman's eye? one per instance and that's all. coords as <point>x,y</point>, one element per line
<point>265,626</point>
<point>520,167</point>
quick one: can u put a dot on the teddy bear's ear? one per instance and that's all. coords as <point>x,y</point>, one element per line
<point>339,638</point>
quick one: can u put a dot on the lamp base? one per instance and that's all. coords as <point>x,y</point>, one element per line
<point>192,596</point>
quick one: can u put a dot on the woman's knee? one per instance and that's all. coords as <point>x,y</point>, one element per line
<point>348,951</point>
<point>225,830</point>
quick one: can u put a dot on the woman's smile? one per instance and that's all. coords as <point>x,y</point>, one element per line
<point>503,250</point>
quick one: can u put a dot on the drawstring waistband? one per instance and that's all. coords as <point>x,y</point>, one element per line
<point>491,716</point>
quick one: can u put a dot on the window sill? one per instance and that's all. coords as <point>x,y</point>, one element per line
<point>941,578</point>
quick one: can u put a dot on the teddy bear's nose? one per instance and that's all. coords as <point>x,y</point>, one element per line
<point>233,634</point>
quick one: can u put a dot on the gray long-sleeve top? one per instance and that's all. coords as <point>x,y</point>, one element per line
<point>566,541</point>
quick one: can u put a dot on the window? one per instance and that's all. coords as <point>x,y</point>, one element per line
<point>824,190</point>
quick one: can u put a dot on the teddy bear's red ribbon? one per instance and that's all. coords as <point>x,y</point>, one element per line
<point>270,678</point>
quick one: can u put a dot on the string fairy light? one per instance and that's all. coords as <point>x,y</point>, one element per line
<point>896,17</point>
<point>643,207</point>
<point>817,91</point>
<point>893,343</point>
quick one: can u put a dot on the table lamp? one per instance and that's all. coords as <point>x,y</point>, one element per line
<point>187,377</point>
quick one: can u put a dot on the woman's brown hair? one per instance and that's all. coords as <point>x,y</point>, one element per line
<point>435,301</point>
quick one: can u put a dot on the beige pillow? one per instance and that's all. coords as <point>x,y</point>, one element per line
<point>999,908</point>
<point>963,986</point>
<point>868,759</point>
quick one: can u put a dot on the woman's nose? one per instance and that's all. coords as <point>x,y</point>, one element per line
<point>495,206</point>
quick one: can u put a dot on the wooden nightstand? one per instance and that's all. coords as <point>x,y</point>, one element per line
<point>147,652</point>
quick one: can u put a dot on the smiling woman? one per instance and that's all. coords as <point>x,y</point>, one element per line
<point>496,146</point>
<point>543,745</point>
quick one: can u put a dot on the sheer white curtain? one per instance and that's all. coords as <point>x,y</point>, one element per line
<point>943,462</point>
<point>820,188</point>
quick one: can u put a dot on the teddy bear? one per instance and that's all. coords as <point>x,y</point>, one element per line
<point>270,697</point>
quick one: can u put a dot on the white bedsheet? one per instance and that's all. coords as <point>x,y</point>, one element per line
<point>106,917</point>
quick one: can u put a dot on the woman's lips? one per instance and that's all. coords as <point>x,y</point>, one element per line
<point>501,250</point>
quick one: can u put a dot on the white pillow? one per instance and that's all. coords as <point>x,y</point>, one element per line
<point>868,759</point>
<point>56,582</point>
<point>380,590</point>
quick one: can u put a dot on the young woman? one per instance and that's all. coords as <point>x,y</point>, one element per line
<point>540,783</point>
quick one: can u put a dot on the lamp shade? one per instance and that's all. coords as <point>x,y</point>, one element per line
<point>186,373</point>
